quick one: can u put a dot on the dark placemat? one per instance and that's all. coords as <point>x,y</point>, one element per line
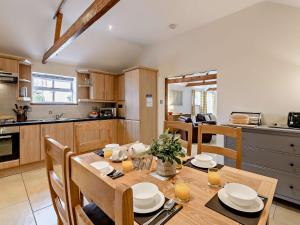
<point>143,218</point>
<point>99,152</point>
<point>188,163</point>
<point>240,217</point>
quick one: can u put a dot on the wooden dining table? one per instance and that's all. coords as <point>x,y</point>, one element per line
<point>193,212</point>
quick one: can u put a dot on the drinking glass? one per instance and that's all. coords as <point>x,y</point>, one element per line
<point>214,177</point>
<point>107,153</point>
<point>127,166</point>
<point>182,191</point>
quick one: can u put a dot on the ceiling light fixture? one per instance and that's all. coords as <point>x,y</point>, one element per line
<point>172,26</point>
<point>110,27</point>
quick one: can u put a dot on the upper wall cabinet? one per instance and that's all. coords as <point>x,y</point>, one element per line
<point>120,88</point>
<point>9,65</point>
<point>96,86</point>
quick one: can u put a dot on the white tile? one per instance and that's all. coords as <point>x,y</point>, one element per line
<point>18,214</point>
<point>286,215</point>
<point>12,191</point>
<point>36,184</point>
<point>46,216</point>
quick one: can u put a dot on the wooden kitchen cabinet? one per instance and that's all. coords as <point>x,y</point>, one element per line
<point>132,131</point>
<point>61,132</point>
<point>97,90</point>
<point>9,65</point>
<point>132,92</point>
<point>109,87</point>
<point>30,144</point>
<point>121,132</point>
<point>108,132</point>
<point>120,88</point>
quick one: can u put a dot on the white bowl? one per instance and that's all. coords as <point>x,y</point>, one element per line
<point>144,193</point>
<point>240,194</point>
<point>203,158</point>
<point>112,146</point>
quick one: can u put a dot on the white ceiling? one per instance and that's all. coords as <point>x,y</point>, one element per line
<point>27,27</point>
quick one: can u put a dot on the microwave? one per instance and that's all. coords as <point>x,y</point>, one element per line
<point>108,112</point>
<point>294,119</point>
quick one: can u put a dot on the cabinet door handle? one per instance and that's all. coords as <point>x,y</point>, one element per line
<point>291,164</point>
<point>291,187</point>
<point>292,145</point>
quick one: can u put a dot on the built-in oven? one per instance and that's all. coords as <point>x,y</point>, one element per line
<point>9,143</point>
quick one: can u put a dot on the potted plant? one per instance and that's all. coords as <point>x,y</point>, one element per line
<point>168,150</point>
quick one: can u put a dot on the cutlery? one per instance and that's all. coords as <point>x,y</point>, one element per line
<point>111,173</point>
<point>173,210</point>
<point>167,206</point>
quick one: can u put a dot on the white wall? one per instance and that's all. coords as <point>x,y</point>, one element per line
<point>8,96</point>
<point>257,54</point>
<point>186,107</point>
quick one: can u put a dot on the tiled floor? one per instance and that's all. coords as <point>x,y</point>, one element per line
<point>25,200</point>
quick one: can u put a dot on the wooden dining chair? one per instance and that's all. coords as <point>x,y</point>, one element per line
<point>87,137</point>
<point>235,133</point>
<point>178,126</point>
<point>112,204</point>
<point>55,157</point>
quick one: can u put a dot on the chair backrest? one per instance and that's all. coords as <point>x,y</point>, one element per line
<point>115,201</point>
<point>235,133</point>
<point>177,126</point>
<point>55,157</point>
<point>87,136</point>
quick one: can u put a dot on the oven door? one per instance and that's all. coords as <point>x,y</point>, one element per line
<point>9,147</point>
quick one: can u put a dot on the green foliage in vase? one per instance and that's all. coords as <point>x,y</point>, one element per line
<point>167,148</point>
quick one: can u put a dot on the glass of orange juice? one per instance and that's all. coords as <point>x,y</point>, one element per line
<point>127,166</point>
<point>214,177</point>
<point>107,152</point>
<point>182,191</point>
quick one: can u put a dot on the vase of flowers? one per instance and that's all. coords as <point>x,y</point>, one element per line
<point>168,150</point>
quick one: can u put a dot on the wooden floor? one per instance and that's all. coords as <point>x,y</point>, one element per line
<point>25,200</point>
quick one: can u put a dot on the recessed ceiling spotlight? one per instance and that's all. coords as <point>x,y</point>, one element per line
<point>110,27</point>
<point>172,26</point>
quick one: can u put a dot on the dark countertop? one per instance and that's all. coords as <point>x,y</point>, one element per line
<point>49,121</point>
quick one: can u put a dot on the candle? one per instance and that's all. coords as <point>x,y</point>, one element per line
<point>182,192</point>
<point>127,166</point>
<point>214,178</point>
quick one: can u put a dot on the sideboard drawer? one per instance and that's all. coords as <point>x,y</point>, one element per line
<point>272,159</point>
<point>288,184</point>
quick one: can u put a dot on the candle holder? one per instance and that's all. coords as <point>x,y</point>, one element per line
<point>214,177</point>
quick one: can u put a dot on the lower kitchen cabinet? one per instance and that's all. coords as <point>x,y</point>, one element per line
<point>61,132</point>
<point>94,134</point>
<point>30,144</point>
<point>128,131</point>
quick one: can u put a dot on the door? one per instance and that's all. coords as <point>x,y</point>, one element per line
<point>97,90</point>
<point>132,95</point>
<point>132,131</point>
<point>61,132</point>
<point>108,132</point>
<point>109,87</point>
<point>30,144</point>
<point>87,136</point>
<point>9,65</point>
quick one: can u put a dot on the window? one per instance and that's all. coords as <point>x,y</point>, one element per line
<point>53,89</point>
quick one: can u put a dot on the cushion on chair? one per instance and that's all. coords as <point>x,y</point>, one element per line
<point>96,215</point>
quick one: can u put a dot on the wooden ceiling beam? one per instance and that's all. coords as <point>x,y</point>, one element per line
<point>211,89</point>
<point>192,79</point>
<point>59,18</point>
<point>61,4</point>
<point>95,11</point>
<point>200,83</point>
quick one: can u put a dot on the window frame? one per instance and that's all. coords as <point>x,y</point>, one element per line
<point>54,77</point>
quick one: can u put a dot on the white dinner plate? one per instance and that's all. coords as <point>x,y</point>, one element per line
<point>159,202</point>
<point>108,171</point>
<point>119,160</point>
<point>197,164</point>
<point>256,207</point>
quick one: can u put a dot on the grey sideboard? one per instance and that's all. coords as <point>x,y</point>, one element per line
<point>275,153</point>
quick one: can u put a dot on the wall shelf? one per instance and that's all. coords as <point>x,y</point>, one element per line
<point>84,85</point>
<point>24,99</point>
<point>24,80</point>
